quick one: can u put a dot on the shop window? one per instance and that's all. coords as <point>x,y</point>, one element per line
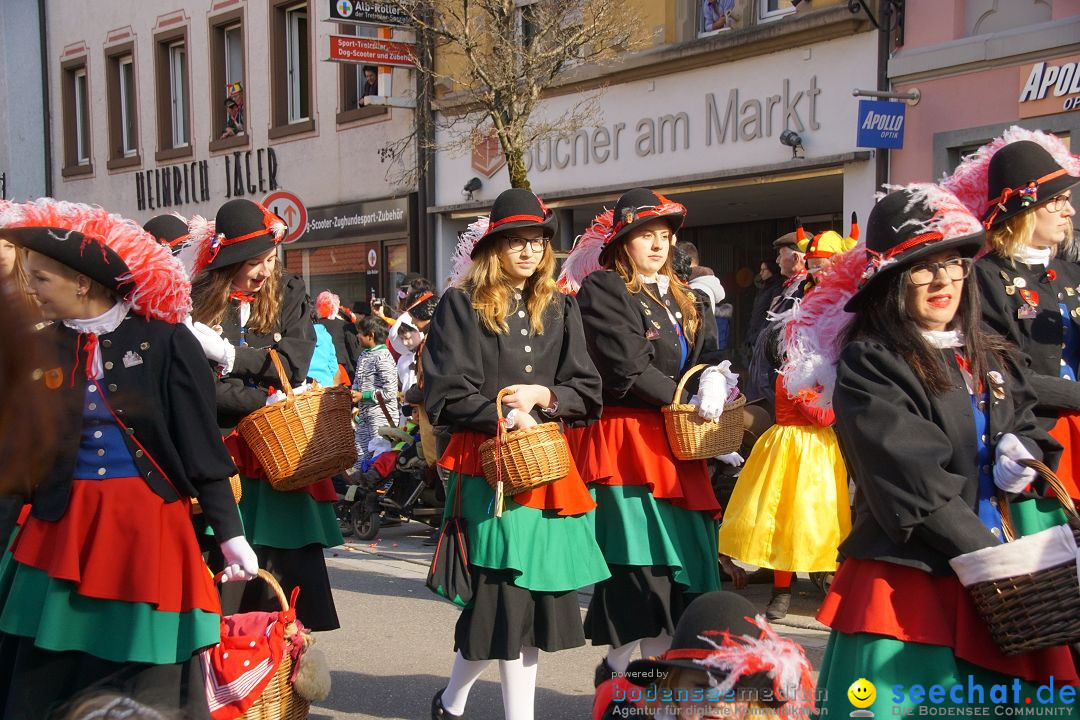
<point>291,95</point>
<point>359,81</point>
<point>123,107</point>
<point>173,97</point>
<point>76,108</point>
<point>774,9</point>
<point>227,88</point>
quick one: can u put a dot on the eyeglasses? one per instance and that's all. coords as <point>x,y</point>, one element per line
<point>1058,202</point>
<point>517,243</point>
<point>955,269</point>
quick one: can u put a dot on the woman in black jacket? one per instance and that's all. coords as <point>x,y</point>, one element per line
<point>244,305</point>
<point>105,584</point>
<point>933,415</point>
<point>505,325</point>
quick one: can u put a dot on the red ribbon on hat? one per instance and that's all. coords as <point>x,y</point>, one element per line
<point>998,203</point>
<point>219,240</point>
<point>647,211</point>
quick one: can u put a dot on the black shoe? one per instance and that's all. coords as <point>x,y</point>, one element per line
<point>822,581</point>
<point>779,604</point>
<point>604,672</point>
<point>438,711</point>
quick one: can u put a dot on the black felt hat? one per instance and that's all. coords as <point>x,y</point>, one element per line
<point>242,230</point>
<point>635,208</point>
<point>721,622</point>
<point>1020,177</point>
<point>84,254</point>
<point>514,209</point>
<point>910,224</point>
<point>169,230</point>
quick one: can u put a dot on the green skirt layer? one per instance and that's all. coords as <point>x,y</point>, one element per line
<point>59,619</point>
<point>547,553</point>
<point>1032,516</point>
<point>887,663</point>
<point>286,520</point>
<point>635,528</point>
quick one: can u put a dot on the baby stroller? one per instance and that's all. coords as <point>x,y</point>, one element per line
<point>395,487</point>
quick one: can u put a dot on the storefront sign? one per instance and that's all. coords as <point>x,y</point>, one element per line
<point>371,51</point>
<point>881,124</point>
<point>1050,86</point>
<point>250,172</point>
<point>375,13</point>
<point>353,220</point>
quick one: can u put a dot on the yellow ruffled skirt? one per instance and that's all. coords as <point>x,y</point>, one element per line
<point>790,508</point>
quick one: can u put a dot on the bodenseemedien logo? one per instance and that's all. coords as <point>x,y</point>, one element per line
<point>862,694</point>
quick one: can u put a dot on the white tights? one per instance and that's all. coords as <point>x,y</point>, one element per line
<point>618,658</point>
<point>518,684</point>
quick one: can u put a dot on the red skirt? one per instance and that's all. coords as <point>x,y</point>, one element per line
<point>871,596</point>
<point>118,540</point>
<point>1067,432</point>
<point>567,496</point>
<point>629,446</point>
<point>249,466</point>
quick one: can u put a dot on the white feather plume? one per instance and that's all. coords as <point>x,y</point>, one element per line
<point>461,261</point>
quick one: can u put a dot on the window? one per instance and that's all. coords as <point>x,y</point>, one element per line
<point>773,9</point>
<point>128,142</point>
<point>228,97</point>
<point>123,107</point>
<point>719,15</point>
<point>82,119</point>
<point>359,81</point>
<point>298,62</point>
<point>172,80</point>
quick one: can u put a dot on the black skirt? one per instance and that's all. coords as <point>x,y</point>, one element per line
<point>504,618</point>
<point>635,603</point>
<point>303,567</point>
<point>41,683</point>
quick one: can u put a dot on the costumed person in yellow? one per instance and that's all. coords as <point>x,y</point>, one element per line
<point>790,511</point>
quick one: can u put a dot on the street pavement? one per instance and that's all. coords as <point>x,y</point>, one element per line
<point>395,646</point>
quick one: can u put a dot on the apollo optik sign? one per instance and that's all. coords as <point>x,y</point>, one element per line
<point>881,124</point>
<point>1050,86</point>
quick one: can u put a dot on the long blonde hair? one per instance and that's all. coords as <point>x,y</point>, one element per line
<point>684,296</point>
<point>487,285</point>
<point>210,297</point>
<point>1015,233</point>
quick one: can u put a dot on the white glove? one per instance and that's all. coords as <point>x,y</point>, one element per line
<point>216,348</point>
<point>1010,475</point>
<point>733,459</point>
<point>715,388</point>
<point>241,563</point>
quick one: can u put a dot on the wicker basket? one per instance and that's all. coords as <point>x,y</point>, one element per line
<point>278,700</point>
<point>303,438</point>
<point>692,437</point>
<point>523,460</point>
<point>237,493</point>
<point>1037,609</point>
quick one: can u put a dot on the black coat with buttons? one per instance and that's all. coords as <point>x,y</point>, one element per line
<point>912,455</point>
<point>1039,337</point>
<point>244,389</point>
<point>633,342</point>
<point>466,365</point>
<point>161,391</point>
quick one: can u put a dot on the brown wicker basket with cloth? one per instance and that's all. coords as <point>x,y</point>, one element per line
<point>691,436</point>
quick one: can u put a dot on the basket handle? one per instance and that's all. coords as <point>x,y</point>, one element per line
<point>270,580</point>
<point>1055,484</point>
<point>286,386</point>
<point>500,432</point>
<point>682,381</point>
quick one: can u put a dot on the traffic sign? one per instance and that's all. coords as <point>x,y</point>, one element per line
<point>289,208</point>
<point>372,51</point>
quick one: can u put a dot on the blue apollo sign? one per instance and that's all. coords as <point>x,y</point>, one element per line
<point>881,124</point>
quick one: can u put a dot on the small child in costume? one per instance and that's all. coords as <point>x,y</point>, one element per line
<point>376,379</point>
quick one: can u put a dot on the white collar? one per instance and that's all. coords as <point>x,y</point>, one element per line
<point>943,338</point>
<point>1033,256</point>
<point>104,323</point>
<point>663,282</point>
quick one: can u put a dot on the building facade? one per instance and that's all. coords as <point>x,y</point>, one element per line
<point>698,117</point>
<point>981,66</point>
<point>161,108</point>
<point>23,151</point>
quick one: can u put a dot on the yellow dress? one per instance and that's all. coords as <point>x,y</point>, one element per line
<point>790,508</point>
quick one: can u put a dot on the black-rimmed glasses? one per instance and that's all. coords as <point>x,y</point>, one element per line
<point>955,269</point>
<point>516,243</point>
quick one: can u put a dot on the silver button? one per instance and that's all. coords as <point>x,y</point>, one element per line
<point>528,348</point>
<point>106,343</point>
<point>93,388</point>
<point>112,387</point>
<point>982,404</point>
<point>524,331</point>
<point>225,656</point>
<point>528,368</point>
<point>101,452</point>
<point>246,663</point>
<point>521,313</point>
<point>101,471</point>
<point>995,532</point>
<point>678,314</point>
<point>138,453</point>
<point>108,364</point>
<point>97,433</point>
<point>144,346</point>
<point>92,406</point>
<point>129,431</point>
<point>517,296</point>
<point>983,438</point>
